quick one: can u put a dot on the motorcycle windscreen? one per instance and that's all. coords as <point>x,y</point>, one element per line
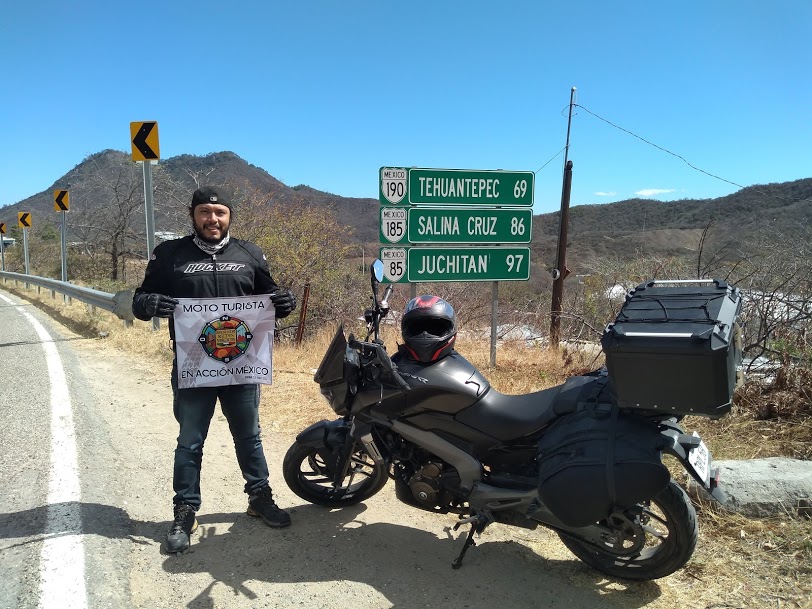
<point>331,368</point>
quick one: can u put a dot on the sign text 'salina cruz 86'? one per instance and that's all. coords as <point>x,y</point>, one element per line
<point>456,187</point>
<point>423,224</point>
<point>435,264</point>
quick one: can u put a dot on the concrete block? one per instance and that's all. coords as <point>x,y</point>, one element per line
<point>765,487</point>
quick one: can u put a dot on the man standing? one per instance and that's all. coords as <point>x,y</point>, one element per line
<point>210,264</point>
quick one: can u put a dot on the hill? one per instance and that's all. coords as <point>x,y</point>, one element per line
<point>649,227</point>
<point>622,230</point>
<point>174,179</point>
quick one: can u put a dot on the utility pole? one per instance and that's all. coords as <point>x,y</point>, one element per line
<point>561,271</point>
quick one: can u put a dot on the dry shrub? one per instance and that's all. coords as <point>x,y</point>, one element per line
<point>768,419</point>
<point>788,396</point>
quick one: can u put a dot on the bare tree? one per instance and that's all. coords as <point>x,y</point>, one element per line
<point>113,228</point>
<point>778,297</point>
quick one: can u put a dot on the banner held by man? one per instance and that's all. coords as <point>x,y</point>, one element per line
<point>224,341</point>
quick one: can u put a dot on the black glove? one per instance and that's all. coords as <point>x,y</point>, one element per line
<point>154,305</point>
<point>284,302</point>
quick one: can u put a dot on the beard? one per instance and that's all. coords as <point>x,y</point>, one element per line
<point>199,232</point>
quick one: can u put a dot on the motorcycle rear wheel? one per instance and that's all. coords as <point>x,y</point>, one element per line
<point>653,539</point>
<point>308,475</point>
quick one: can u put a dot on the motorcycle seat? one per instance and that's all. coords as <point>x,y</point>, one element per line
<point>509,417</point>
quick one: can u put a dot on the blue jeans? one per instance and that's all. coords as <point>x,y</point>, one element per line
<point>193,410</point>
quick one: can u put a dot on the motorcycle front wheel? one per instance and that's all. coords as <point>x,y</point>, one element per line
<point>308,473</point>
<point>651,540</point>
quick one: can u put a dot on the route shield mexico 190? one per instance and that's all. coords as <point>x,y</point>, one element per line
<point>393,184</point>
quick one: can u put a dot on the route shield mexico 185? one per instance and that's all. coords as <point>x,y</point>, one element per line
<point>393,224</point>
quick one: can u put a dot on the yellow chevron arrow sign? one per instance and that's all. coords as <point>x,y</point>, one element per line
<point>144,136</point>
<point>61,200</point>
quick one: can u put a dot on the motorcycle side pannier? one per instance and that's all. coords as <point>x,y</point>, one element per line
<point>595,459</point>
<point>675,347</point>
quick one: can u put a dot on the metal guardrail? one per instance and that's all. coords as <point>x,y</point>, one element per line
<point>120,303</point>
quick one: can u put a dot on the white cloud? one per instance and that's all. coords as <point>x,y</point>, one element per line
<point>605,194</point>
<point>651,192</point>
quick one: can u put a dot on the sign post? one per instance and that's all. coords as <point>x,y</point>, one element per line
<point>62,205</point>
<point>146,150</point>
<point>24,222</point>
<point>3,245</point>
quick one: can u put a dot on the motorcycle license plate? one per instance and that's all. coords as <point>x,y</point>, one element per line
<point>699,458</point>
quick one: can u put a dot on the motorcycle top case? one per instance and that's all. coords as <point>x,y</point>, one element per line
<point>675,347</point>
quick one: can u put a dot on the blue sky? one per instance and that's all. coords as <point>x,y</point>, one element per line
<point>323,93</point>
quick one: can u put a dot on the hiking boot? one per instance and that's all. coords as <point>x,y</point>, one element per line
<point>263,506</point>
<point>185,523</point>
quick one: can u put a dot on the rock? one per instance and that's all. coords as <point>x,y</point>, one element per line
<point>764,487</point>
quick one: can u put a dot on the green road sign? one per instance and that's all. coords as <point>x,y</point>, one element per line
<point>436,264</point>
<point>416,224</point>
<point>493,188</point>
<point>434,225</point>
<point>470,187</point>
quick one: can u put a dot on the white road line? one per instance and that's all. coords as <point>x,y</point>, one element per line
<point>62,562</point>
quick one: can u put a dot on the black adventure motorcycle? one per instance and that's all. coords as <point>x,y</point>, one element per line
<point>577,458</point>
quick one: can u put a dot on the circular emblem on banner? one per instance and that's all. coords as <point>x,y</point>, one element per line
<point>225,338</point>
<point>393,183</point>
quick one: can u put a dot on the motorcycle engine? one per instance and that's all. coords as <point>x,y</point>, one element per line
<point>425,485</point>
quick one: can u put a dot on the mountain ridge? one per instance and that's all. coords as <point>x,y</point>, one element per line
<point>620,229</point>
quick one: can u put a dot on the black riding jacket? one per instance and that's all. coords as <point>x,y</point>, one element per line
<point>180,269</point>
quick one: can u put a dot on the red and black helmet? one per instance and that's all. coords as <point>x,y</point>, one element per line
<point>429,328</point>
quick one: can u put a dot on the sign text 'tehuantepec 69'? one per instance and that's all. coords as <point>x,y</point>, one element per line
<point>491,188</point>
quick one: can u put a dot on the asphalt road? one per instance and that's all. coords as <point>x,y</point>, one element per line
<point>56,463</point>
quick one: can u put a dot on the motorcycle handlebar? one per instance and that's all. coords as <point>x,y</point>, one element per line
<point>385,300</point>
<point>384,360</point>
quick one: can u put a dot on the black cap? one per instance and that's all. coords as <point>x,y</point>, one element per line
<point>209,194</point>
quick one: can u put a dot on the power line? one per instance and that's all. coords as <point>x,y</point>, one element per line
<point>550,161</point>
<point>683,159</point>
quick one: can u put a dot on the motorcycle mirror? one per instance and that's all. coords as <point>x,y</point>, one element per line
<point>377,270</point>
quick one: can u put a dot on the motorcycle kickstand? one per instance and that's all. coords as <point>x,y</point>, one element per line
<point>478,524</point>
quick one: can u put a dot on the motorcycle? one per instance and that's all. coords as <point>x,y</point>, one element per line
<point>568,458</point>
